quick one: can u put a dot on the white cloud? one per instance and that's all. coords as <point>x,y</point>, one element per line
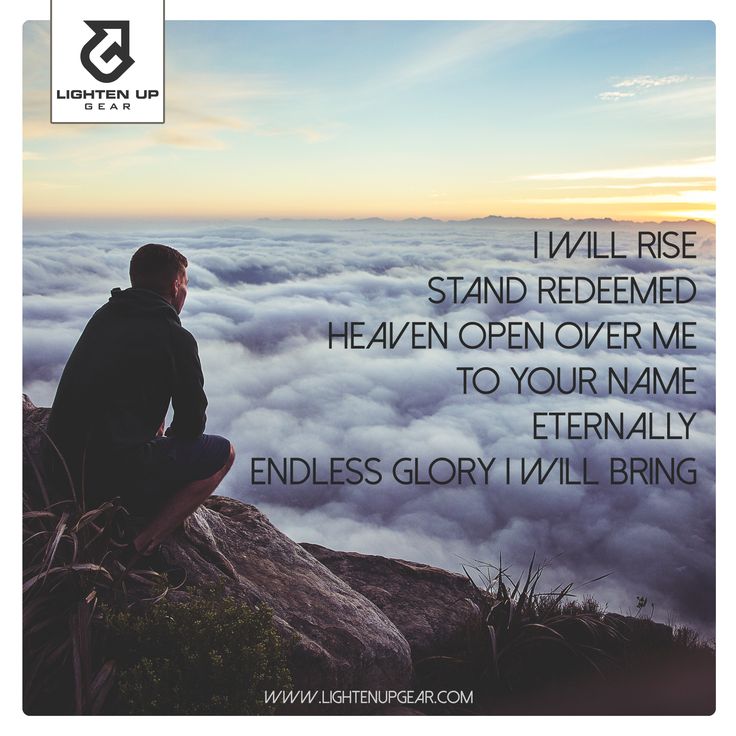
<point>646,81</point>
<point>614,95</point>
<point>691,168</point>
<point>697,196</point>
<point>482,39</point>
<point>683,96</point>
<point>261,296</point>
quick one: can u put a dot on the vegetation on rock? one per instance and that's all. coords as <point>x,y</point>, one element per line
<point>206,654</point>
<point>102,635</point>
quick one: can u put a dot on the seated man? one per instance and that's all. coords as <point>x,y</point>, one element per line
<point>132,359</point>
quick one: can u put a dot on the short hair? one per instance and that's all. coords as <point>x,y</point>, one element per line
<point>154,266</point>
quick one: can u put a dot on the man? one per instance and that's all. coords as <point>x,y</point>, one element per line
<point>132,359</point>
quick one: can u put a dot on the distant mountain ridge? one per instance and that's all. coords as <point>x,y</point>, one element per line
<point>492,220</point>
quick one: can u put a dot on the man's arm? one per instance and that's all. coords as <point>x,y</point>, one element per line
<point>188,397</point>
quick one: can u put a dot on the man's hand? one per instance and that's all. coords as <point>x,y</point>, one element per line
<point>160,432</point>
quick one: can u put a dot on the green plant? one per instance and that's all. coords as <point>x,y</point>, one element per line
<point>686,638</point>
<point>524,625</point>
<point>525,637</point>
<point>77,592</point>
<point>70,560</point>
<point>206,654</point>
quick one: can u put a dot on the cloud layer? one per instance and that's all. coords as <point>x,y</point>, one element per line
<point>261,297</point>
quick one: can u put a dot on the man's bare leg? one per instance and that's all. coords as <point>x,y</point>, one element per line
<point>183,503</point>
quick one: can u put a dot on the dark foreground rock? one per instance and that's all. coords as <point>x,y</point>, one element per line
<point>431,607</point>
<point>340,639</point>
<point>641,631</point>
<point>364,622</point>
<point>35,421</point>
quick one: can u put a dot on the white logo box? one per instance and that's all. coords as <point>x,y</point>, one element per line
<point>92,77</point>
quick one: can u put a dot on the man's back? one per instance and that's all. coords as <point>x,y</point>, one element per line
<point>131,360</point>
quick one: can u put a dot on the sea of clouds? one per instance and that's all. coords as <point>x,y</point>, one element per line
<point>260,299</point>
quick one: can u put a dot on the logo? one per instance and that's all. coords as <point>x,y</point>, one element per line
<point>107,61</point>
<point>111,41</point>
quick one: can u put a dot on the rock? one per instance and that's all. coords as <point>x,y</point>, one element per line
<point>340,639</point>
<point>431,607</point>
<point>642,632</point>
<point>35,421</point>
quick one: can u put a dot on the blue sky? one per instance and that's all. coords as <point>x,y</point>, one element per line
<point>396,119</point>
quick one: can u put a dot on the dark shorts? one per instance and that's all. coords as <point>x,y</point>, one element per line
<point>173,463</point>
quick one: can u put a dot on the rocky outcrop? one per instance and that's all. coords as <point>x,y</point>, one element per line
<point>357,621</point>
<point>432,608</point>
<point>339,639</point>
<point>641,632</point>
<point>35,420</point>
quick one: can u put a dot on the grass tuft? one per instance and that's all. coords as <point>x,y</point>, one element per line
<point>71,560</point>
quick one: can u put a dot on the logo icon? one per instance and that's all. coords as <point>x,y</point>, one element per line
<point>100,73</point>
<point>111,41</point>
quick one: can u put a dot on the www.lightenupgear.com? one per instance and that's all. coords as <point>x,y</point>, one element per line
<point>368,697</point>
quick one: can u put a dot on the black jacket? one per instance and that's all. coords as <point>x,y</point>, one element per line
<point>132,359</point>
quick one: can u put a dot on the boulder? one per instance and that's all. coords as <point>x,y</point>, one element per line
<point>339,638</point>
<point>641,631</point>
<point>35,421</point>
<point>431,607</point>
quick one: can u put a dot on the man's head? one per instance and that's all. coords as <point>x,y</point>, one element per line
<point>161,269</point>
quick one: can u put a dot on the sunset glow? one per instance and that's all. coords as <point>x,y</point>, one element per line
<point>450,120</point>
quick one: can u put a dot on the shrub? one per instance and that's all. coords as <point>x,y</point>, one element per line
<point>527,651</point>
<point>688,639</point>
<point>206,654</point>
<point>70,562</point>
<point>72,559</point>
<point>534,637</point>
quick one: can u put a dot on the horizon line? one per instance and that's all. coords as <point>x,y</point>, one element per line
<point>371,218</point>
